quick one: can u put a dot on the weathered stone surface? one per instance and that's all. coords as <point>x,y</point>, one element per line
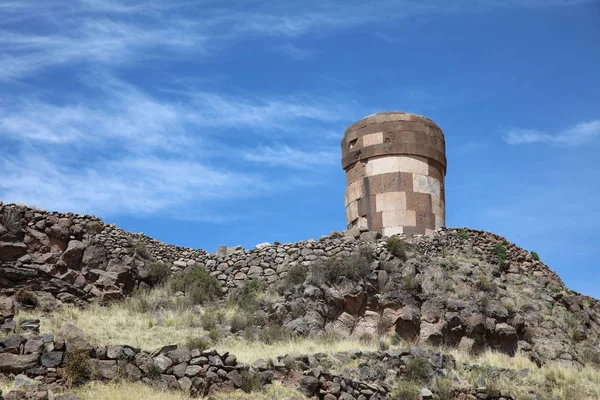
<point>105,369</point>
<point>75,339</point>
<point>73,254</point>
<point>11,251</point>
<point>52,359</point>
<point>162,362</point>
<point>15,363</point>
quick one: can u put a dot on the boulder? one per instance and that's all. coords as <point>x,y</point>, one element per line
<point>105,369</point>
<point>74,338</point>
<point>52,359</point>
<point>11,251</point>
<point>15,363</point>
<point>95,257</point>
<point>73,255</point>
<point>309,385</point>
<point>7,307</point>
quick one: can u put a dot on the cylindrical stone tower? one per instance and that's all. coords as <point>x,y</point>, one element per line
<point>395,164</point>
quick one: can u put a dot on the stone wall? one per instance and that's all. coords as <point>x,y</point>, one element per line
<point>41,364</point>
<point>76,258</point>
<point>395,165</point>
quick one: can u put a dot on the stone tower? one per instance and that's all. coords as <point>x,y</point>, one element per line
<point>395,164</point>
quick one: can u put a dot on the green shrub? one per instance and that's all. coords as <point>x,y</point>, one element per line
<point>535,256</point>
<point>239,322</point>
<point>209,320</point>
<point>198,285</point>
<point>463,234</point>
<point>366,252</point>
<point>250,381</point>
<point>296,275</point>
<point>158,272</point>
<point>406,391</point>
<point>354,267</point>
<point>417,370</point>
<point>274,333</point>
<point>142,250</point>
<point>444,389</point>
<point>26,298</point>
<point>500,252</point>
<point>76,367</point>
<point>199,342</point>
<point>411,284</point>
<point>484,284</point>
<point>214,335</point>
<point>365,338</point>
<point>246,296</point>
<point>397,247</point>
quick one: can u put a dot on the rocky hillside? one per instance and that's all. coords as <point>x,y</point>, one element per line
<point>460,288</point>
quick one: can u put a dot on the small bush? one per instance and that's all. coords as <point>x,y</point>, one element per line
<point>484,301</point>
<point>274,333</point>
<point>214,335</point>
<point>354,267</point>
<point>76,367</point>
<point>365,338</point>
<point>246,296</point>
<point>199,342</point>
<point>405,391</point>
<point>484,284</point>
<point>366,252</point>
<point>158,272</point>
<point>142,250</point>
<point>411,284</point>
<point>239,322</point>
<point>417,370</point>
<point>463,234</point>
<point>590,356</point>
<point>384,344</point>
<point>296,275</point>
<point>26,298</point>
<point>198,285</point>
<point>444,389</point>
<point>250,381</point>
<point>500,252</point>
<point>209,320</point>
<point>535,256</point>
<point>397,247</point>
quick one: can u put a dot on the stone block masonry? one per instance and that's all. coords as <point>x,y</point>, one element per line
<point>395,164</point>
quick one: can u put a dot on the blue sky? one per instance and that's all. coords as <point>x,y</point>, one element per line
<point>207,122</point>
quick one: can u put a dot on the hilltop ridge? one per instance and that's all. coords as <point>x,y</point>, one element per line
<point>466,289</point>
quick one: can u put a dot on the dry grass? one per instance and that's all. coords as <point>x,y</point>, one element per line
<point>248,352</point>
<point>147,320</point>
<point>126,391</point>
<point>275,391</point>
<point>150,320</point>
<point>135,391</point>
<point>553,379</point>
<point>6,384</point>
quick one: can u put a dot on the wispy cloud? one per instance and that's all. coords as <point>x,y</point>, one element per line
<point>124,150</point>
<point>295,52</point>
<point>285,156</point>
<point>105,32</point>
<point>579,134</point>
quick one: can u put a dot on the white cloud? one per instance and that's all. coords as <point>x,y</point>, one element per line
<point>576,135</point>
<point>285,156</point>
<point>106,32</point>
<point>295,52</point>
<point>125,151</point>
<point>133,184</point>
